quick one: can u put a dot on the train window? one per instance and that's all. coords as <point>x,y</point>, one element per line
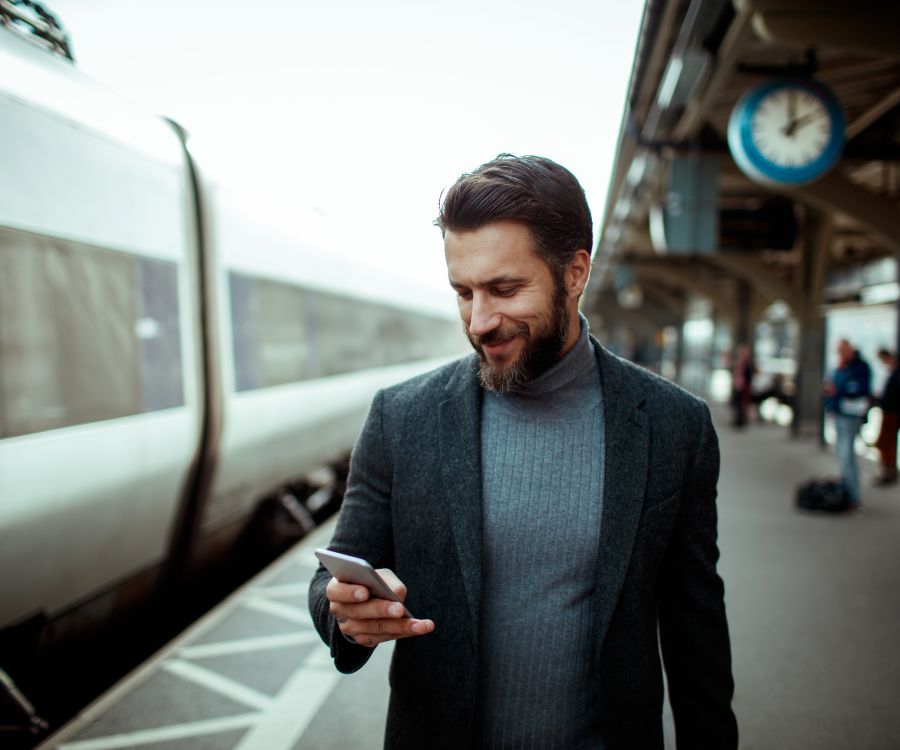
<point>341,341</point>
<point>284,333</point>
<point>270,332</point>
<point>85,334</point>
<point>159,334</point>
<point>243,332</point>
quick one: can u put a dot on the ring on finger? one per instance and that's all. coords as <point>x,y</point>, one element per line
<point>370,641</point>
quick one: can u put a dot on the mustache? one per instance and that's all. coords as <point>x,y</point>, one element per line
<point>499,334</point>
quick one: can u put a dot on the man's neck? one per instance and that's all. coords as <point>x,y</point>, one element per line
<point>573,334</point>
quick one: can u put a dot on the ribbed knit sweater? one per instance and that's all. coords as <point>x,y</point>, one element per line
<point>542,459</point>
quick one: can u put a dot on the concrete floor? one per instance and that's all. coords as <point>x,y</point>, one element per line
<point>813,601</point>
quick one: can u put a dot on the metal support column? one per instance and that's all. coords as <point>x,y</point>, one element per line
<point>814,263</point>
<point>743,328</point>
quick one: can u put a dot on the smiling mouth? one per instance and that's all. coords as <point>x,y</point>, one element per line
<point>495,345</point>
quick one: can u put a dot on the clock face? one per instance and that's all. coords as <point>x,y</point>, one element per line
<point>786,132</point>
<point>791,127</point>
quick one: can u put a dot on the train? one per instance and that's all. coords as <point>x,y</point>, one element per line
<point>168,360</point>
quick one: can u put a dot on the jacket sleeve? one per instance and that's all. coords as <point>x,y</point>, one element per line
<point>363,530</point>
<point>692,624</point>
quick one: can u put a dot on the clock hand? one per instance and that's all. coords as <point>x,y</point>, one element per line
<point>791,126</point>
<point>797,122</point>
<point>808,117</point>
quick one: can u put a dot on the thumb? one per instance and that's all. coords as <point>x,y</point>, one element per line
<point>395,584</point>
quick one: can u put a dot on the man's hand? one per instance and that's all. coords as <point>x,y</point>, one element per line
<point>369,621</point>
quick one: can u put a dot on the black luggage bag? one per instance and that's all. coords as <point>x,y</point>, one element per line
<point>827,495</point>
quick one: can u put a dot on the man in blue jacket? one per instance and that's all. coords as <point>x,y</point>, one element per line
<point>847,400</point>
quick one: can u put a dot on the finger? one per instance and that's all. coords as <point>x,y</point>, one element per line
<point>336,591</point>
<point>373,639</point>
<point>374,609</point>
<point>383,630</point>
<point>394,583</point>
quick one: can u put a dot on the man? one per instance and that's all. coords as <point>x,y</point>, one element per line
<point>890,409</point>
<point>847,400</point>
<point>742,373</point>
<point>549,508</point>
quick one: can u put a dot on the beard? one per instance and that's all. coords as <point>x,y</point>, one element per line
<point>540,352</point>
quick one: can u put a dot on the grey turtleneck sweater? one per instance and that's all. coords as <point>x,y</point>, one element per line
<point>542,457</point>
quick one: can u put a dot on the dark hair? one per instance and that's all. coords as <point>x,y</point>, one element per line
<point>533,190</point>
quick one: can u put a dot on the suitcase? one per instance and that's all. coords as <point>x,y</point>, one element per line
<point>826,495</point>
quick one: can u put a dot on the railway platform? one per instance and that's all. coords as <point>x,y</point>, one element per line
<point>813,605</point>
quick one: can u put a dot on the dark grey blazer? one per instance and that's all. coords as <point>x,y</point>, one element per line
<point>413,504</point>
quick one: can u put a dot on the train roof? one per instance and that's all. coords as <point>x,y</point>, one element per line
<point>38,78</point>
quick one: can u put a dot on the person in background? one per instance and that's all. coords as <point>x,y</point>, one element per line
<point>741,384</point>
<point>890,411</point>
<point>847,394</point>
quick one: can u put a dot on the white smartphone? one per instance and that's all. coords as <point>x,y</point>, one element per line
<point>349,569</point>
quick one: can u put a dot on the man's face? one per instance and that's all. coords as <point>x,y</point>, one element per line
<point>844,352</point>
<point>516,317</point>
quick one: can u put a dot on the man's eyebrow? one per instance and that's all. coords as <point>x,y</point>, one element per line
<point>495,281</point>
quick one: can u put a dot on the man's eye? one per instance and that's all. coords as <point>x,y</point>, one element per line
<point>505,291</point>
<point>463,294</point>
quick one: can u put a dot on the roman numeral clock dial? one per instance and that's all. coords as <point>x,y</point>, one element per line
<point>786,132</point>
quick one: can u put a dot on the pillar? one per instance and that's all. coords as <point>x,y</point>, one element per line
<point>816,242</point>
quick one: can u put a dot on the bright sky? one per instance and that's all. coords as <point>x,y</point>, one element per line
<point>368,110</point>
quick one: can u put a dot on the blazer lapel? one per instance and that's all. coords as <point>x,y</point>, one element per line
<point>626,443</point>
<point>460,460</point>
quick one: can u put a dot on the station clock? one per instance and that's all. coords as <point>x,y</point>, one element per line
<point>786,131</point>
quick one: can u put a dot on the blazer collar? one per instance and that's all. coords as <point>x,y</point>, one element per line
<point>459,417</point>
<point>626,446</point>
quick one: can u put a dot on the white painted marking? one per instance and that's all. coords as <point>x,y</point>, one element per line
<point>218,683</point>
<point>286,611</point>
<point>162,734</point>
<point>247,645</point>
<point>281,725</point>
<point>319,681</point>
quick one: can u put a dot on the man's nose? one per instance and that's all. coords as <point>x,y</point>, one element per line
<point>485,317</point>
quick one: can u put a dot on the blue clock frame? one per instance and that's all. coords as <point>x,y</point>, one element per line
<point>749,158</point>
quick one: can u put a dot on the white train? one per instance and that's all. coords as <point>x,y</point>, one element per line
<point>166,361</point>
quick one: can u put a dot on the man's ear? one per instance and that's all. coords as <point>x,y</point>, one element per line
<point>577,272</point>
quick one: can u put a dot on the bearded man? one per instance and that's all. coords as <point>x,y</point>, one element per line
<point>547,506</point>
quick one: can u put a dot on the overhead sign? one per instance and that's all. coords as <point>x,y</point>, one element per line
<point>688,222</point>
